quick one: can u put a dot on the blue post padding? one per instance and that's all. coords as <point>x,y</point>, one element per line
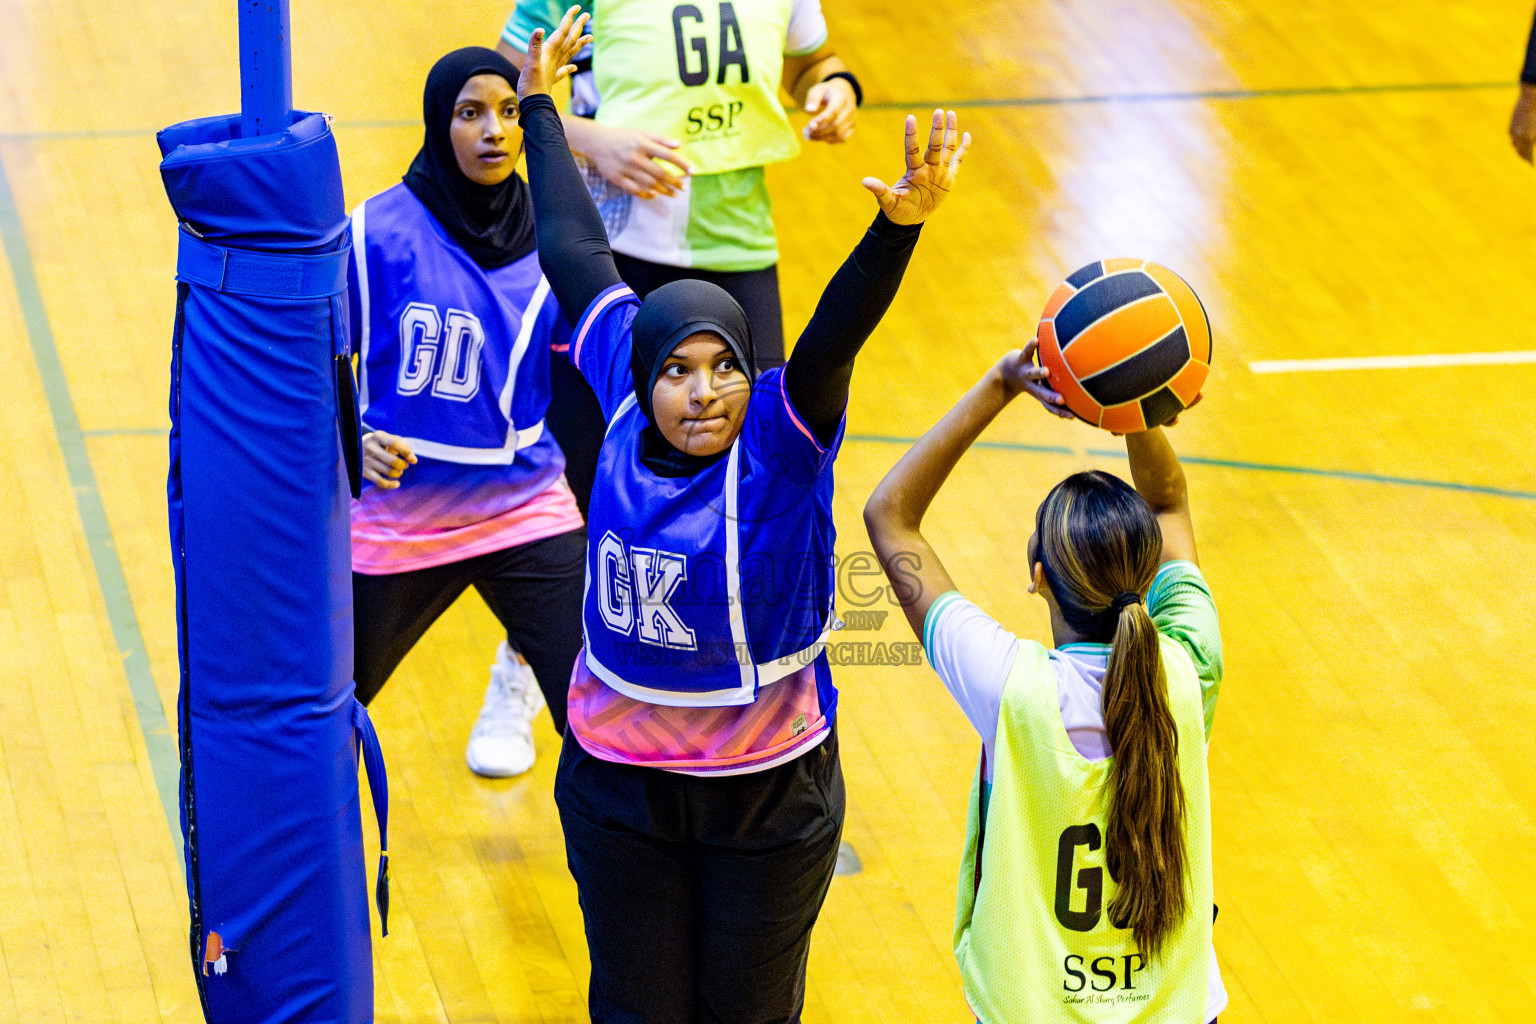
<point>266,79</point>
<point>260,204</point>
<point>259,526</point>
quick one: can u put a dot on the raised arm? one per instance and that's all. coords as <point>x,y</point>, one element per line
<point>821,366</point>
<point>894,513</point>
<point>573,246</point>
<point>819,370</point>
<point>1159,479</point>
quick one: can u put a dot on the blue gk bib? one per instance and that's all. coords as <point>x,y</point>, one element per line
<point>702,589</point>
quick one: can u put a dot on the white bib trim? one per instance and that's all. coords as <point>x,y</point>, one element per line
<point>517,440</point>
<point>360,253</point>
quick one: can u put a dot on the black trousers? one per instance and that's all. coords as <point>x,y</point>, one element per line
<point>699,894</point>
<point>534,589</point>
<point>574,418</point>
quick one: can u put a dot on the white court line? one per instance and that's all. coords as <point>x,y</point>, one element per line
<point>1390,362</point>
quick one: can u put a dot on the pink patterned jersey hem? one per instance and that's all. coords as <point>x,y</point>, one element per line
<point>784,721</point>
<point>379,549</point>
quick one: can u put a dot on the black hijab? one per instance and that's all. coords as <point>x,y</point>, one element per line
<point>493,223</point>
<point>667,316</point>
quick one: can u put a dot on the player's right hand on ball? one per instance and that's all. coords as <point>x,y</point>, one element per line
<point>1020,375</point>
<point>385,457</point>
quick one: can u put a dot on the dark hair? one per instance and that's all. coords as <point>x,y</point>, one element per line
<point>1096,540</point>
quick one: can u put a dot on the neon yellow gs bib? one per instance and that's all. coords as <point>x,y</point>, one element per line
<point>1032,930</point>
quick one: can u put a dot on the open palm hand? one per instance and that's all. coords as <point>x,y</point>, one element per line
<point>549,60</point>
<point>930,174</point>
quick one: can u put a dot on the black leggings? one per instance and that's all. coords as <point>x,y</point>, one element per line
<point>574,418</point>
<point>699,894</point>
<point>534,589</point>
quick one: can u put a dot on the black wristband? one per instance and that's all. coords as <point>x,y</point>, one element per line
<point>858,91</point>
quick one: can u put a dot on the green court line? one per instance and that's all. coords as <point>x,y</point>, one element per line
<point>1009,446</point>
<point>1193,96</point>
<point>1340,474</point>
<point>1112,453</point>
<point>159,740</point>
<point>1260,467</point>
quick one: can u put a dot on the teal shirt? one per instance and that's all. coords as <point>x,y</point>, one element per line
<point>1182,608</point>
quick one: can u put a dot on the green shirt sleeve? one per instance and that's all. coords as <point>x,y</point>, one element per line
<point>532,14</point>
<point>1182,607</point>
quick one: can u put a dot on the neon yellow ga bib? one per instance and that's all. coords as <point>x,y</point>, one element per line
<point>705,72</point>
<point>1032,931</point>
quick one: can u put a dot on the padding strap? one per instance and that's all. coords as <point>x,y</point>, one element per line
<point>242,272</point>
<point>378,785</point>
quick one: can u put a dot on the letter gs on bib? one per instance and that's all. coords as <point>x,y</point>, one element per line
<point>1090,880</point>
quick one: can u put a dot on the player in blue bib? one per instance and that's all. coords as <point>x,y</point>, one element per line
<point>454,323</point>
<point>699,786</point>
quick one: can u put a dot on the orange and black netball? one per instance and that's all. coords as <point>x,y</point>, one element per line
<point>1127,344</point>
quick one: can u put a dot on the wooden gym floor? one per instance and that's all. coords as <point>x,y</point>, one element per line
<point>1333,179</point>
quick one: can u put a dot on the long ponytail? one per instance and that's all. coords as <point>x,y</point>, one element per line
<point>1144,840</point>
<point>1099,545</point>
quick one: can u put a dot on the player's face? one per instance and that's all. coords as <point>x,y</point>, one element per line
<point>486,137</point>
<point>701,395</point>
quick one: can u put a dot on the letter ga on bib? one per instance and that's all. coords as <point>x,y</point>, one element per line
<point>706,73</point>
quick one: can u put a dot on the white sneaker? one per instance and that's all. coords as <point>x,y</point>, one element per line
<point>501,743</point>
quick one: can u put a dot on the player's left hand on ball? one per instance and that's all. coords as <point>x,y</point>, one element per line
<point>549,60</point>
<point>385,457</point>
<point>1020,375</point>
<point>931,173</point>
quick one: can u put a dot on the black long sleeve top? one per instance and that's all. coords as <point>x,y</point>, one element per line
<point>1528,74</point>
<point>574,254</point>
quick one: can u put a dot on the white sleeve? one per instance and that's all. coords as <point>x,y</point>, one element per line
<point>973,655</point>
<point>807,30</point>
